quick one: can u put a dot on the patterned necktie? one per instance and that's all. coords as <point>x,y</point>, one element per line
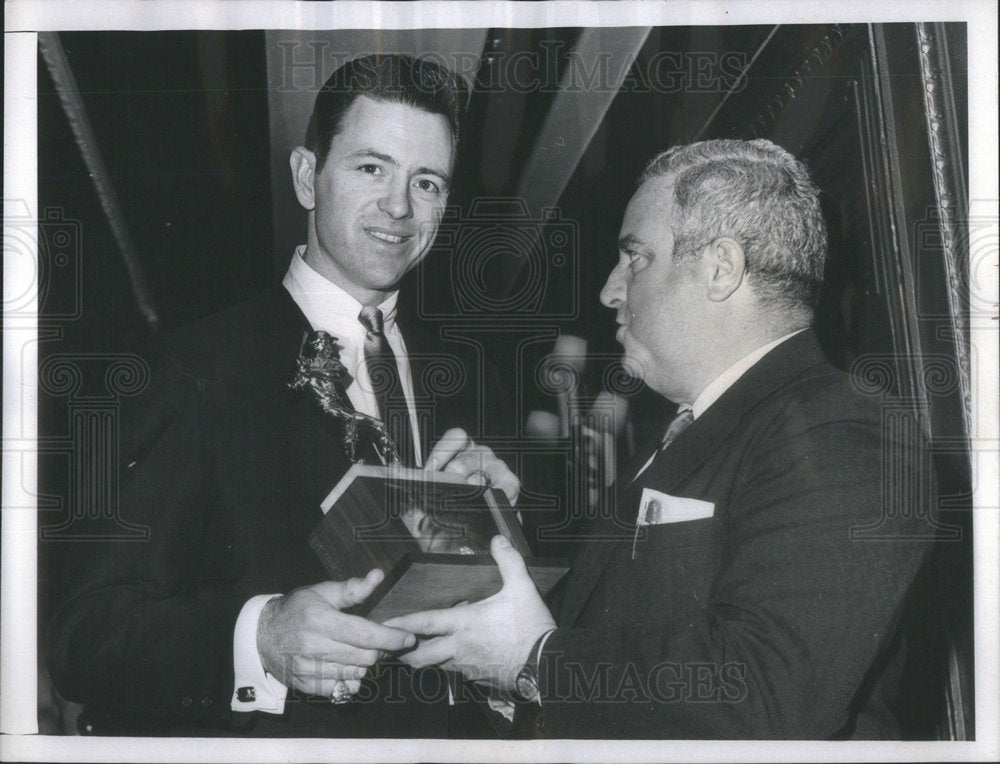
<point>652,516</point>
<point>677,425</point>
<point>388,389</point>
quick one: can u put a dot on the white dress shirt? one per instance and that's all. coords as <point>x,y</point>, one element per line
<point>329,308</point>
<point>714,389</point>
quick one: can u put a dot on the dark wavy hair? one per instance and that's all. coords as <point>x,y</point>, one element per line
<point>392,78</point>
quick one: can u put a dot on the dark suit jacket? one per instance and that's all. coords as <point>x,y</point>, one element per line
<point>226,467</point>
<point>772,617</point>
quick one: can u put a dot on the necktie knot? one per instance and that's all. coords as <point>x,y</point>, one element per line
<point>677,425</point>
<point>371,319</point>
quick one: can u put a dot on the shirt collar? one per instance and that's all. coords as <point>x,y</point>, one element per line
<point>714,390</point>
<point>324,303</point>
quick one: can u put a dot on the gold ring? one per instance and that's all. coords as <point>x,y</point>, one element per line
<point>487,478</point>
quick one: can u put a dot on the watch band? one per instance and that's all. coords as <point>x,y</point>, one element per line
<point>526,683</point>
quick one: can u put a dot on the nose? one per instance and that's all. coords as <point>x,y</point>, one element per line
<point>613,293</point>
<point>396,201</point>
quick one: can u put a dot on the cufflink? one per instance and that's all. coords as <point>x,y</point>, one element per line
<point>246,694</point>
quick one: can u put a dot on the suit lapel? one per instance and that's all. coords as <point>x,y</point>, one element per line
<point>439,405</point>
<point>284,327</point>
<point>603,536</point>
<point>711,430</point>
<point>417,361</point>
<point>684,455</point>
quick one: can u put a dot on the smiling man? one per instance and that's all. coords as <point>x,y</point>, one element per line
<point>375,195</point>
<point>735,592</point>
<point>221,619</point>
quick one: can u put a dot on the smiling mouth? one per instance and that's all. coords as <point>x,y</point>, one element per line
<point>385,236</point>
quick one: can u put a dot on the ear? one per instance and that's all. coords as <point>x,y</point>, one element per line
<point>303,164</point>
<point>727,267</point>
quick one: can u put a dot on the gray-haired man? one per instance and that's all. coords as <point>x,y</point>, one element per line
<point>728,596</point>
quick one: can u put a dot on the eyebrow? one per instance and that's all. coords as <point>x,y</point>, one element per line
<point>372,153</point>
<point>632,244</point>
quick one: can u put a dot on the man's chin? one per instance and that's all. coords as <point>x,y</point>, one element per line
<point>387,279</point>
<point>633,366</point>
<point>393,271</point>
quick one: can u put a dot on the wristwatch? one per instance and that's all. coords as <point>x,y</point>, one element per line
<point>526,683</point>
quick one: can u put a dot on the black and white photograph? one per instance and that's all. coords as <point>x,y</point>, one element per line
<point>694,305</point>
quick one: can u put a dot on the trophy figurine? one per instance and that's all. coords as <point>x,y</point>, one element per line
<point>430,531</point>
<point>319,369</point>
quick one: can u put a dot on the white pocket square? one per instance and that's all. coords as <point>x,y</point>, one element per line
<point>657,508</point>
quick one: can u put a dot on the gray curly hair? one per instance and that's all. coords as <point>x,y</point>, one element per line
<point>761,196</point>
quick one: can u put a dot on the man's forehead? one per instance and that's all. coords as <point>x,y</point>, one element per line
<point>651,206</point>
<point>372,125</point>
<point>366,108</point>
<point>657,191</point>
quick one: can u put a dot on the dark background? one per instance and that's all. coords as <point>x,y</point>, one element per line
<point>182,122</point>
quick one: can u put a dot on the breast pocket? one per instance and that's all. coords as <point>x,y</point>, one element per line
<point>678,563</point>
<point>679,535</point>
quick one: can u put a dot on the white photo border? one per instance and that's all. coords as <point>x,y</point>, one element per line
<point>18,674</point>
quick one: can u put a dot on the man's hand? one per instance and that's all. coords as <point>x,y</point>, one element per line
<point>307,643</point>
<point>486,641</point>
<point>458,453</point>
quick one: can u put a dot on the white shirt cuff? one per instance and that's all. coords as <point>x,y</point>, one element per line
<point>541,646</point>
<point>255,689</point>
<point>537,657</point>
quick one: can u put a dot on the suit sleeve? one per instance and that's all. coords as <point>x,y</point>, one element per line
<point>145,614</point>
<point>795,618</point>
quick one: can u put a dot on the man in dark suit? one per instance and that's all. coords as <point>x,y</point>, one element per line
<point>736,591</point>
<point>222,620</point>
